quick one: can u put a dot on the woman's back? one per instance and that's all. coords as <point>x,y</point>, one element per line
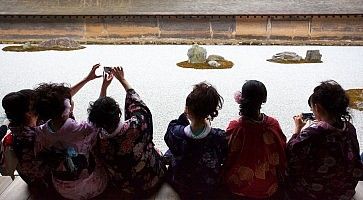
<point>133,163</point>
<point>196,163</point>
<point>324,162</point>
<point>256,155</point>
<point>76,172</point>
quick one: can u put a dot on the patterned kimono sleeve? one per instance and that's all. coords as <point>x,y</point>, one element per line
<point>174,137</point>
<point>230,136</point>
<point>223,149</point>
<point>298,143</point>
<point>298,150</point>
<point>353,137</point>
<point>135,108</point>
<point>230,129</point>
<point>8,159</point>
<point>281,133</point>
<point>355,150</point>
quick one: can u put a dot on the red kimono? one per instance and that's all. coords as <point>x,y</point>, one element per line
<point>256,157</point>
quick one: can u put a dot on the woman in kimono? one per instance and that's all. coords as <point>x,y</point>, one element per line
<point>197,150</point>
<point>126,146</point>
<point>17,148</point>
<point>256,159</point>
<point>323,158</point>
<point>66,145</point>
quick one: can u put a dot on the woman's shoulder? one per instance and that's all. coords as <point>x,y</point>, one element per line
<point>218,132</point>
<point>233,124</point>
<point>349,127</point>
<point>271,120</point>
<point>179,131</point>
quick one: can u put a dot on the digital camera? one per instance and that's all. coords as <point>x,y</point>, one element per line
<point>308,116</point>
<point>107,69</point>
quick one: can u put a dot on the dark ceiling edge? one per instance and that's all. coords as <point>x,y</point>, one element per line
<point>189,15</point>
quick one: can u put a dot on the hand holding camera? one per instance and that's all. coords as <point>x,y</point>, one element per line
<point>301,120</point>
<point>107,76</point>
<point>107,70</point>
<point>307,116</point>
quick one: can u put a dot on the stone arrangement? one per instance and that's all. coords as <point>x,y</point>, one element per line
<point>57,44</point>
<point>312,56</point>
<point>197,59</point>
<point>60,43</point>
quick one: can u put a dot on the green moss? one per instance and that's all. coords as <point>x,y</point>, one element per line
<point>37,48</point>
<point>355,98</point>
<point>225,64</point>
<point>291,61</point>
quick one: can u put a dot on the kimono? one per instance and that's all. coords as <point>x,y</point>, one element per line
<point>133,163</point>
<point>17,150</point>
<point>256,159</point>
<point>324,162</point>
<point>76,172</point>
<point>196,161</point>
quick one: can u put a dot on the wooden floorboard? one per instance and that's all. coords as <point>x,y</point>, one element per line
<point>18,190</point>
<point>359,191</point>
<point>5,181</point>
<point>166,192</point>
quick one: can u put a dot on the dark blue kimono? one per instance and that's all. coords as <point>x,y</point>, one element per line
<point>196,164</point>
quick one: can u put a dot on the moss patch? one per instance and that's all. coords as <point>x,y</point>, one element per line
<point>355,98</point>
<point>37,48</point>
<point>302,61</point>
<point>225,64</point>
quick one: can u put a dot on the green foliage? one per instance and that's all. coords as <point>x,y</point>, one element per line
<point>355,98</point>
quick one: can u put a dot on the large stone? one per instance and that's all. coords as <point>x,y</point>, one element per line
<point>286,57</point>
<point>215,58</point>
<point>60,43</point>
<point>197,54</point>
<point>313,56</point>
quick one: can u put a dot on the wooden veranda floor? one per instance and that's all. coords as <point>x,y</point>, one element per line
<point>17,189</point>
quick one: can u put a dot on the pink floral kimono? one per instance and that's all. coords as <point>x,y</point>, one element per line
<point>76,173</point>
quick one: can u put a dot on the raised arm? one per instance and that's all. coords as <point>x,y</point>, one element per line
<point>175,137</point>
<point>299,124</point>
<point>118,72</point>
<point>107,78</point>
<point>91,75</point>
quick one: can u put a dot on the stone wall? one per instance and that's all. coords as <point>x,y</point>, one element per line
<point>111,28</point>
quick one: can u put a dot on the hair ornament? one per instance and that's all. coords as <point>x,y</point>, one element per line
<point>67,109</point>
<point>238,97</point>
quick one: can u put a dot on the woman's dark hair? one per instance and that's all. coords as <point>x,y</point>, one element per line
<point>254,93</point>
<point>49,103</point>
<point>104,113</point>
<point>332,97</point>
<point>17,104</point>
<point>204,101</point>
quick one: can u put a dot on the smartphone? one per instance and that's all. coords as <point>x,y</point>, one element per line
<point>107,69</point>
<point>308,116</point>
